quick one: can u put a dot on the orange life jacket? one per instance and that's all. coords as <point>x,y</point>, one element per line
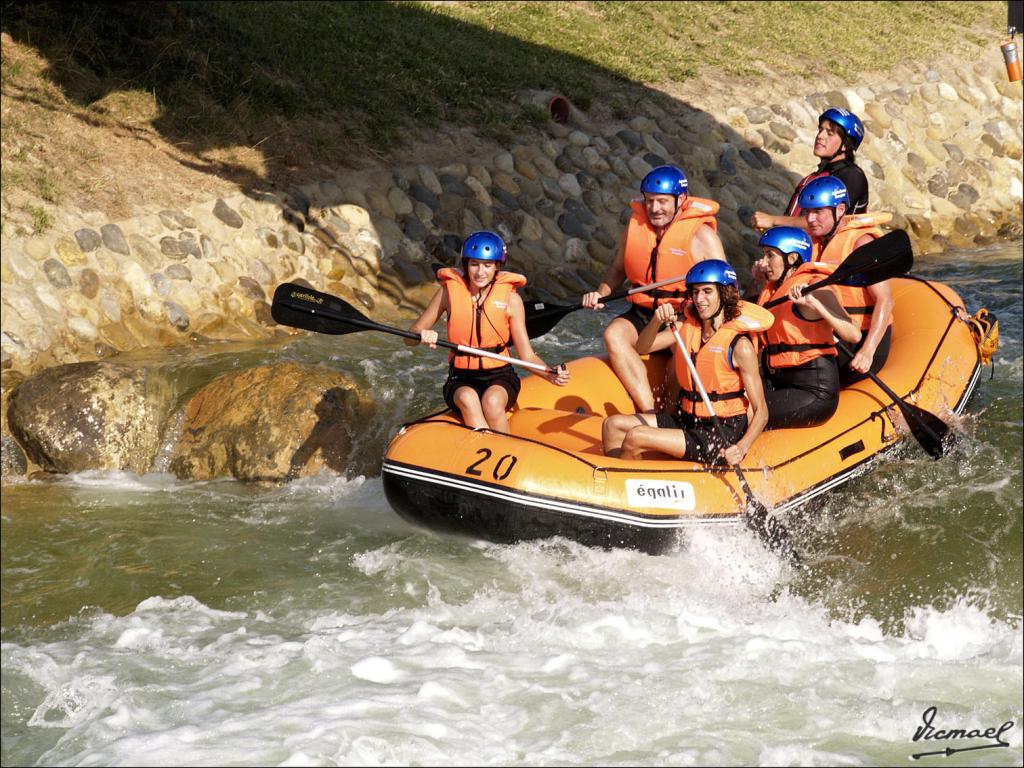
<point>673,256</point>
<point>857,301</point>
<point>793,340</point>
<point>713,362</point>
<point>485,326</point>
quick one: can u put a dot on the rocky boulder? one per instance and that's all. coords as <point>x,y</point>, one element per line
<point>276,422</point>
<point>94,415</point>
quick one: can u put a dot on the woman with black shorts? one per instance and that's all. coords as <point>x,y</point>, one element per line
<point>485,312</point>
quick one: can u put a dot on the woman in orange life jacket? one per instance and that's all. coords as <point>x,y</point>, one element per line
<point>668,232</point>
<point>801,376</point>
<point>484,311</point>
<point>839,136</point>
<point>715,330</point>
<point>834,236</point>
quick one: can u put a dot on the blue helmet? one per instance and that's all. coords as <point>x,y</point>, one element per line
<point>823,192</point>
<point>849,122</point>
<point>711,271</point>
<point>788,240</point>
<point>484,246</point>
<point>665,180</point>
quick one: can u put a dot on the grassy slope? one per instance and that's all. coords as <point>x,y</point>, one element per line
<point>252,91</point>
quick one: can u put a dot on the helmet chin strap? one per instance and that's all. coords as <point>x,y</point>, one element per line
<point>721,307</point>
<point>837,153</point>
<point>786,268</point>
<point>678,206</point>
<point>835,221</point>
<point>835,224</point>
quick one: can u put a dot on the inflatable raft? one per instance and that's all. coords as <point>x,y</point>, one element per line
<point>549,477</point>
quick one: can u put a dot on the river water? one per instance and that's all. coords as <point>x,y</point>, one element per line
<point>152,621</point>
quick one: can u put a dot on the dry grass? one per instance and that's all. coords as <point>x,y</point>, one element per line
<point>163,103</point>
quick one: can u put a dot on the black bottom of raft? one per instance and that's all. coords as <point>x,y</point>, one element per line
<point>452,504</point>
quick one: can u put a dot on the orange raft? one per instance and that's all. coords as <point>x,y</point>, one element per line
<point>549,477</point>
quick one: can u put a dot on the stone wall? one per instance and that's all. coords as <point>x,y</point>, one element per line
<point>942,153</point>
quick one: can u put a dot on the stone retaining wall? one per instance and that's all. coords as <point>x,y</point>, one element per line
<point>942,152</point>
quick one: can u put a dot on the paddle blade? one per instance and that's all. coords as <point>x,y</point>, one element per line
<point>542,317</point>
<point>285,315</point>
<point>301,307</point>
<point>772,533</point>
<point>928,429</point>
<point>885,257</point>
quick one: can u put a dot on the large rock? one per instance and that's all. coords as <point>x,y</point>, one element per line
<point>276,422</point>
<point>95,415</point>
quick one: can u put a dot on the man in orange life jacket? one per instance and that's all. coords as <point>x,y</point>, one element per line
<point>801,378</point>
<point>835,235</point>
<point>484,311</point>
<point>667,234</point>
<point>715,331</point>
<point>840,133</point>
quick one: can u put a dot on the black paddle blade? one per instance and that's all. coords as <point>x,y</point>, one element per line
<point>542,317</point>
<point>927,428</point>
<point>771,532</point>
<point>285,315</point>
<point>887,256</point>
<point>301,307</point>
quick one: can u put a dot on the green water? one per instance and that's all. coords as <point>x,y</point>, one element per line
<point>148,620</point>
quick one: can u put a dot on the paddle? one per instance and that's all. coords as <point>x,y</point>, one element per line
<point>927,428</point>
<point>885,257</point>
<point>764,524</point>
<point>301,307</point>
<point>541,317</point>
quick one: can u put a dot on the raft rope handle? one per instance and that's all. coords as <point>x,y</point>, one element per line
<point>984,331</point>
<point>886,438</point>
<point>984,328</point>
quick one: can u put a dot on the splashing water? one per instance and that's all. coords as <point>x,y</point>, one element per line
<point>148,620</point>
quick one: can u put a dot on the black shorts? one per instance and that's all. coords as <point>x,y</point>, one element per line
<point>638,316</point>
<point>803,395</point>
<point>702,440</point>
<point>479,381</point>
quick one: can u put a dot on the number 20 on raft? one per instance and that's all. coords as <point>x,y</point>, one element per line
<point>500,469</point>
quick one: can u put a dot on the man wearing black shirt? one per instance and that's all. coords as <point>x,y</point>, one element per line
<point>840,133</point>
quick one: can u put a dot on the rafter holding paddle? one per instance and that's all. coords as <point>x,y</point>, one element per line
<point>884,258</point>
<point>756,514</point>
<point>298,306</point>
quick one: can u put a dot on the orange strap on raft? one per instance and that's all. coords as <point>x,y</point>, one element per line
<point>985,330</point>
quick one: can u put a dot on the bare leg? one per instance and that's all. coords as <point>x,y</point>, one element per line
<point>494,403</point>
<point>616,427</point>
<point>647,438</point>
<point>468,403</point>
<point>620,338</point>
